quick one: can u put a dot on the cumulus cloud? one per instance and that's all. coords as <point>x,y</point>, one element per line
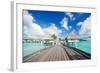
<point>73,32</point>
<point>73,18</point>
<point>79,24</point>
<point>70,27</point>
<point>70,15</point>
<point>33,30</point>
<point>85,29</point>
<point>52,29</point>
<point>30,27</point>
<point>27,19</point>
<point>64,23</point>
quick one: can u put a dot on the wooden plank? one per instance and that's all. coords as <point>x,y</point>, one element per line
<point>56,53</point>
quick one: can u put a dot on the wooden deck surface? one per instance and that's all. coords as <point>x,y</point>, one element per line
<point>57,53</point>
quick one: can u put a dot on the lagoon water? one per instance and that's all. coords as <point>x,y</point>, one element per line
<point>84,46</point>
<point>29,48</point>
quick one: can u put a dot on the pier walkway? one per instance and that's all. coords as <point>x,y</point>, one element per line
<point>58,52</point>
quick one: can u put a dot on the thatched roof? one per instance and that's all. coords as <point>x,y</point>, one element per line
<point>73,37</point>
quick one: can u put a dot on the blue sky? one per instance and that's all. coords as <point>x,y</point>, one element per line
<point>59,23</point>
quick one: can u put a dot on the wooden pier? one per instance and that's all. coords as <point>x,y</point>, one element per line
<point>58,52</point>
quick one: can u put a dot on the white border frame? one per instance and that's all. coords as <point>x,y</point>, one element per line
<point>16,60</point>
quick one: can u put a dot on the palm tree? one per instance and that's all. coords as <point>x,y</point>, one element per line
<point>54,38</point>
<point>66,39</point>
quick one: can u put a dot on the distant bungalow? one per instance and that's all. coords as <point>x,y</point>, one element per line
<point>39,40</point>
<point>72,39</point>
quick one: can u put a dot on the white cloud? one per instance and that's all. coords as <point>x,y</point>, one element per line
<point>52,29</point>
<point>64,23</point>
<point>73,32</point>
<point>30,27</point>
<point>79,24</point>
<point>70,27</point>
<point>73,18</point>
<point>33,30</point>
<point>69,14</point>
<point>85,29</point>
<point>27,18</point>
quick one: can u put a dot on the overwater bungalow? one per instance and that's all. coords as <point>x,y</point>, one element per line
<point>48,40</point>
<point>72,39</point>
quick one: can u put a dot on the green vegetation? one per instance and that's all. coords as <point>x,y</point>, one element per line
<point>54,36</point>
<point>66,39</point>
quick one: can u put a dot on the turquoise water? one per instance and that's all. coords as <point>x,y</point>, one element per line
<point>29,48</point>
<point>83,45</point>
